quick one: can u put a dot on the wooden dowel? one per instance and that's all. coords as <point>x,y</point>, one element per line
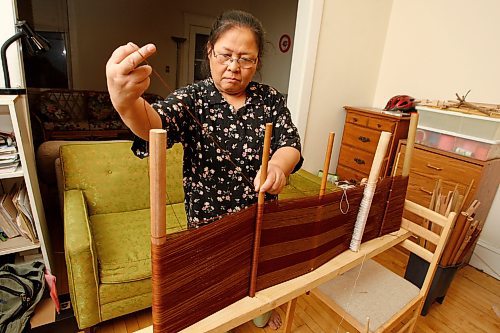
<point>455,235</point>
<point>157,189</point>
<point>467,239</point>
<point>157,184</point>
<point>461,239</point>
<point>326,165</point>
<point>260,209</point>
<point>472,241</point>
<point>466,195</point>
<point>410,142</point>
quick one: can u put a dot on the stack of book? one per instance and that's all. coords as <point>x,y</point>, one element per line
<point>16,218</point>
<point>9,157</point>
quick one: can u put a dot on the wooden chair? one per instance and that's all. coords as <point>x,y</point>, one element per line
<point>372,298</point>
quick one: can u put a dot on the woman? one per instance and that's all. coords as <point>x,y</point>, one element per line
<point>220,121</point>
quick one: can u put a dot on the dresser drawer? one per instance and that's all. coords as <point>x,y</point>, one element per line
<point>420,188</point>
<point>356,118</point>
<point>360,137</point>
<point>381,124</point>
<point>356,159</point>
<point>434,166</point>
<point>346,173</point>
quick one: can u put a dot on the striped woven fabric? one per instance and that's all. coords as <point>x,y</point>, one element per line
<point>200,271</point>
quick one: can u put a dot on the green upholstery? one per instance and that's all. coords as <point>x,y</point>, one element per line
<point>303,184</point>
<point>107,225</point>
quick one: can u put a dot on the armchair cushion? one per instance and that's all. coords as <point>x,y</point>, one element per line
<point>118,266</point>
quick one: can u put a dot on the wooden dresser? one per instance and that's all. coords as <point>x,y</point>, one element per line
<point>429,164</point>
<point>361,134</point>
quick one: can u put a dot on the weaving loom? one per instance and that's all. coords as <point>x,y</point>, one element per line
<point>198,272</point>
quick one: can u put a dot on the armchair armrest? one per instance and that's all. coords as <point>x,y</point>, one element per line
<point>81,260</point>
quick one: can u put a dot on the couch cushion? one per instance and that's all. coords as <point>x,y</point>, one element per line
<point>66,125</point>
<point>112,124</point>
<point>123,242</point>
<point>61,105</point>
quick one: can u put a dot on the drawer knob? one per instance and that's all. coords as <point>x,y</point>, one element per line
<point>354,120</point>
<point>426,191</point>
<point>359,161</point>
<point>363,139</point>
<point>434,167</point>
<point>379,125</point>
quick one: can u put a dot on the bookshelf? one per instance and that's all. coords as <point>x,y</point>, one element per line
<point>14,113</point>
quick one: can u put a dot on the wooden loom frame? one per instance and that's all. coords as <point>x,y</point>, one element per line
<point>255,307</point>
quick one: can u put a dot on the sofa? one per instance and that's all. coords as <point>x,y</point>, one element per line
<point>61,114</point>
<point>107,225</point>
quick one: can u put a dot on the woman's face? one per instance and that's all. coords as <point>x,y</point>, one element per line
<point>232,79</point>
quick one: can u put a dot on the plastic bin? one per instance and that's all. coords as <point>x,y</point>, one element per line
<point>473,127</point>
<point>480,150</point>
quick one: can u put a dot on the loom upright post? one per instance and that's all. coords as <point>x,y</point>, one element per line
<point>157,188</point>
<point>326,165</point>
<point>260,209</point>
<point>366,202</point>
<point>410,142</point>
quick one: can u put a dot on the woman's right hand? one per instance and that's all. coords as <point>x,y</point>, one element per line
<point>126,80</point>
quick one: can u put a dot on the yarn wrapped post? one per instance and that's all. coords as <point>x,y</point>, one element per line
<point>260,209</point>
<point>157,172</point>
<point>369,191</point>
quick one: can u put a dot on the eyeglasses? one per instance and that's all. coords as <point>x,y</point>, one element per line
<point>225,59</point>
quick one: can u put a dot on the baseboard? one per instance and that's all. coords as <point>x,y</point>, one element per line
<point>486,258</point>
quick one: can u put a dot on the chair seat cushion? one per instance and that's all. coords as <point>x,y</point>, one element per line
<point>379,293</point>
<point>123,242</point>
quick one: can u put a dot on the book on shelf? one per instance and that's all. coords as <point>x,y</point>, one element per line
<point>25,218</point>
<point>16,218</point>
<point>8,215</point>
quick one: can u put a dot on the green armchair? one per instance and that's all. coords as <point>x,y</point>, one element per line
<point>107,227</point>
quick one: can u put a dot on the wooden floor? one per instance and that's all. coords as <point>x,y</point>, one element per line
<point>471,305</point>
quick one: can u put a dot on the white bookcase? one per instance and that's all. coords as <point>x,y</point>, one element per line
<point>14,115</point>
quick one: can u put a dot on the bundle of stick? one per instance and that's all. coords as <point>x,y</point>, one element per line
<point>443,204</point>
<point>460,105</point>
<point>464,235</point>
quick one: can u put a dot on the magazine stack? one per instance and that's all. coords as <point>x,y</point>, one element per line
<point>9,157</point>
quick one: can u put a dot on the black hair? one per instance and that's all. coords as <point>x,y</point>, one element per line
<point>228,20</point>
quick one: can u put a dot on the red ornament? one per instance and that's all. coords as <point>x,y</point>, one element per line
<point>285,43</point>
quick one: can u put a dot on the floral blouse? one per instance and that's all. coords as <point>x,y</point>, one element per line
<point>213,186</point>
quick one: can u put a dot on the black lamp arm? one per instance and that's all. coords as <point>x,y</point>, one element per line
<point>5,45</point>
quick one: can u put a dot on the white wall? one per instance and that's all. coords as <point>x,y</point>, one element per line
<point>278,17</point>
<point>435,49</point>
<point>350,50</point>
<point>7,30</point>
<point>486,255</point>
<point>98,27</point>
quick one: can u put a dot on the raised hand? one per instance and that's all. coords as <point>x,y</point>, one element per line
<point>126,78</point>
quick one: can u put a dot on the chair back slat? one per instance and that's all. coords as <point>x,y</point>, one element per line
<point>420,231</point>
<point>426,213</point>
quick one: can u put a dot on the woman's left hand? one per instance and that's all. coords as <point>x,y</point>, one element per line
<point>275,180</point>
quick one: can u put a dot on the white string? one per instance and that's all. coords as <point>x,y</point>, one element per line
<point>344,196</point>
<point>364,210</point>
<point>352,292</point>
